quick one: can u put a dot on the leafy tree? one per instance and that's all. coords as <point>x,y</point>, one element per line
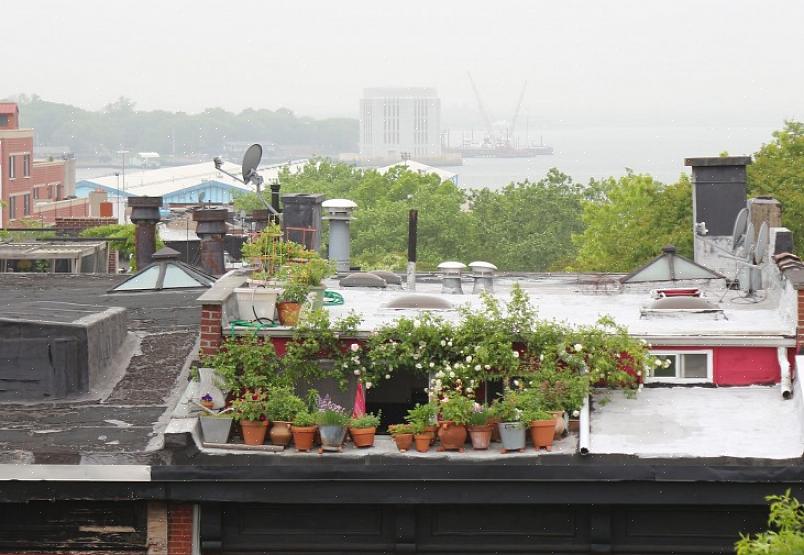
<point>778,170</point>
<point>629,220</point>
<point>787,538</point>
<point>125,248</point>
<point>526,226</point>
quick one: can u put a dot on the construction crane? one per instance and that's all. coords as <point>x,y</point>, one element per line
<point>512,129</point>
<point>482,108</point>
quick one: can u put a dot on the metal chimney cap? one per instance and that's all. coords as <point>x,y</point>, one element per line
<point>339,204</point>
<point>481,265</point>
<point>452,265</point>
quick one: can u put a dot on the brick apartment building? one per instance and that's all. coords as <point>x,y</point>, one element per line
<point>27,185</point>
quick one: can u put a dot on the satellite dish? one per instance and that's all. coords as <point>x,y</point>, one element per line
<point>250,162</point>
<point>748,242</point>
<point>738,235</point>
<point>761,248</point>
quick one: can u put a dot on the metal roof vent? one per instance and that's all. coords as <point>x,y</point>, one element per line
<point>483,274</point>
<point>389,277</point>
<point>419,302</point>
<point>339,213</point>
<point>361,279</point>
<point>451,281</point>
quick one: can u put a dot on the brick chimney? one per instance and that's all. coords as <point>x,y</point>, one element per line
<point>211,229</point>
<point>718,195</point>
<point>145,214</point>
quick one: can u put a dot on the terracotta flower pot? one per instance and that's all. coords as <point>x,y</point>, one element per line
<point>403,441</point>
<point>288,313</point>
<point>280,433</point>
<point>423,441</point>
<point>433,431</point>
<point>254,431</point>
<point>363,437</point>
<point>452,436</point>
<point>480,436</point>
<point>541,433</point>
<point>560,426</point>
<point>574,425</point>
<point>303,437</point>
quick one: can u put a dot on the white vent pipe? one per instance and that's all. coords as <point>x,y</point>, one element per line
<point>784,367</point>
<point>583,424</point>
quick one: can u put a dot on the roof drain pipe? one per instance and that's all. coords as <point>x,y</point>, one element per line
<point>583,434</point>
<point>413,217</point>
<point>784,367</point>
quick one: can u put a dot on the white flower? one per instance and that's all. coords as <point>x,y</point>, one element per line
<point>415,356</point>
<point>487,367</point>
<point>419,365</point>
<point>576,413</point>
<point>416,323</point>
<point>639,373</point>
<point>449,343</point>
<point>516,383</point>
<point>477,348</point>
<point>443,343</point>
<point>578,347</point>
<point>516,354</point>
<point>478,367</point>
<point>368,385</point>
<point>468,389</point>
<point>658,362</point>
<point>345,365</point>
<point>469,358</point>
<point>356,360</point>
<point>541,357</point>
<point>354,347</point>
<point>666,363</point>
<point>451,374</point>
<point>432,365</point>
<point>439,374</point>
<point>357,372</point>
<point>388,376</point>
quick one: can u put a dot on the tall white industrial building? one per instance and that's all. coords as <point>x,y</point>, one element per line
<point>400,122</point>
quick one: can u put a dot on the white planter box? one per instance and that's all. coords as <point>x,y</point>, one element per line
<point>257,302</point>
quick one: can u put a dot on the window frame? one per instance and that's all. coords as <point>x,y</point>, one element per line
<point>678,379</point>
<point>26,204</point>
<point>26,165</point>
<point>12,207</point>
<point>12,166</point>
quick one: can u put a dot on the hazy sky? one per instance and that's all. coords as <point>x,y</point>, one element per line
<point>599,62</point>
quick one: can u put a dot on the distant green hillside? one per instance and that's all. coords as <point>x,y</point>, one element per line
<point>120,125</point>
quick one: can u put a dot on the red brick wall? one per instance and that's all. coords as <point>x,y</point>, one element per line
<point>800,329</point>
<point>180,530</point>
<point>77,225</point>
<point>211,331</point>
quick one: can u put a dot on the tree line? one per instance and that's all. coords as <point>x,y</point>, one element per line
<point>554,224</point>
<point>119,125</point>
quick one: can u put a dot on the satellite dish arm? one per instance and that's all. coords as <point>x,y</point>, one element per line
<point>257,180</point>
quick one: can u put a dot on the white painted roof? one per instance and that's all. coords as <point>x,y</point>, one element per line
<point>167,180</point>
<point>418,167</point>
<point>751,422</point>
<point>563,298</point>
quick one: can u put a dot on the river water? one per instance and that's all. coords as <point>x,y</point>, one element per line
<point>599,152</point>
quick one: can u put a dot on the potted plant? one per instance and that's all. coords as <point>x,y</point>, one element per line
<point>311,273</point>
<point>215,426</point>
<point>281,408</point>
<point>207,402</point>
<point>425,416</point>
<point>363,428</point>
<point>290,301</point>
<point>455,411</point>
<point>304,429</point>
<point>403,436</point>
<point>511,426</point>
<point>542,427</point>
<point>422,436</point>
<point>249,410</point>
<point>332,420</point>
<point>264,252</point>
<point>479,427</point>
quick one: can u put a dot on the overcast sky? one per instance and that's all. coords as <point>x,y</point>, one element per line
<point>593,62</point>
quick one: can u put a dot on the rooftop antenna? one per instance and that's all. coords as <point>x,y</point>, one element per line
<point>249,172</point>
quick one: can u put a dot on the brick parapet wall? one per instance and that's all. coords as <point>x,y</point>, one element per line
<point>77,225</point>
<point>211,331</point>
<point>180,530</point>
